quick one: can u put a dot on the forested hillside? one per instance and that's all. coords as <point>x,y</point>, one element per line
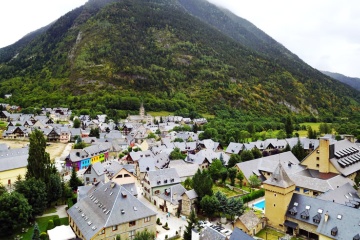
<point>110,55</point>
<point>352,82</point>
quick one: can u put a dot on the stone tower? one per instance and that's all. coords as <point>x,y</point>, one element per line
<point>142,110</point>
<point>278,192</point>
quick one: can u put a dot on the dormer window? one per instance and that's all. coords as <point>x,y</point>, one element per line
<point>305,214</point>
<point>293,211</point>
<point>165,181</point>
<point>317,218</point>
<point>334,231</point>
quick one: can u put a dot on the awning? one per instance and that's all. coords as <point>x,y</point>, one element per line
<point>290,224</point>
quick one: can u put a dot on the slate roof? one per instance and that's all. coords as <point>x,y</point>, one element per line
<point>191,194</point>
<point>98,168</point>
<point>183,169</point>
<point>209,233</point>
<point>234,148</point>
<point>135,156</point>
<point>146,164</point>
<point>13,158</point>
<point>173,194</point>
<point>342,195</point>
<point>249,168</point>
<point>163,177</point>
<point>237,234</point>
<point>76,155</point>
<point>340,146</point>
<point>106,206</point>
<point>249,219</point>
<point>3,147</point>
<point>279,178</point>
<point>346,219</point>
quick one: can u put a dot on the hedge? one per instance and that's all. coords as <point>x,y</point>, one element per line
<point>253,195</point>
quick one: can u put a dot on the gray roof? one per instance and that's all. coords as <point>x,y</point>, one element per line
<point>354,166</point>
<point>249,219</point>
<point>234,148</point>
<point>279,178</point>
<point>82,191</point>
<point>237,234</point>
<point>135,156</point>
<point>342,195</point>
<point>163,177</point>
<point>184,169</point>
<point>346,219</point>
<point>131,188</point>
<point>191,194</point>
<point>98,168</point>
<point>211,234</point>
<point>13,158</point>
<point>249,168</point>
<point>147,164</point>
<point>106,206</point>
<point>4,147</point>
<point>173,194</point>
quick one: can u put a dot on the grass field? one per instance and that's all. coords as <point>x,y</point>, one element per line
<point>160,114</point>
<point>270,234</point>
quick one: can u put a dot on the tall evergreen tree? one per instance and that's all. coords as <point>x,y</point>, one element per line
<point>36,232</point>
<point>289,128</point>
<point>192,222</point>
<point>39,165</point>
<point>74,180</point>
<point>202,183</point>
<point>298,151</point>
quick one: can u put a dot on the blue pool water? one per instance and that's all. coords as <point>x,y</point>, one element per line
<point>260,205</point>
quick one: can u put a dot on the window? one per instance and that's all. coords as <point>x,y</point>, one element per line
<point>157,192</point>
<point>132,223</point>
<point>132,234</point>
<point>275,194</point>
<point>334,231</point>
<point>306,191</point>
<point>317,151</point>
<point>317,158</point>
<point>147,219</point>
<point>114,228</point>
<point>297,189</point>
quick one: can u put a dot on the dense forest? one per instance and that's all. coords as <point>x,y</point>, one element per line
<point>108,56</point>
<point>351,81</point>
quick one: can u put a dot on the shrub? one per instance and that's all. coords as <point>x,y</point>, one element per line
<point>44,236</point>
<point>253,195</point>
<point>166,226</point>
<point>158,221</point>
<point>57,221</point>
<point>50,225</point>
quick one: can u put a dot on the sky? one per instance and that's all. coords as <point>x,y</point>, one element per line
<point>323,33</point>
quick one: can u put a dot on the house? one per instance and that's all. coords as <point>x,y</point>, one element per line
<point>250,223</point>
<point>110,210</point>
<point>82,158</point>
<point>16,132</point>
<point>156,182</point>
<point>184,170</point>
<point>188,202</point>
<point>13,163</point>
<point>135,156</point>
<point>207,233</point>
<point>95,173</point>
<point>169,201</point>
<point>141,118</point>
<point>4,116</point>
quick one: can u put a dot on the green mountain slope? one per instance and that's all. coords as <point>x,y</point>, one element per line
<point>110,55</point>
<point>353,82</point>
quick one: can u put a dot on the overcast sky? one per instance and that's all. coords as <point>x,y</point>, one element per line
<point>324,33</point>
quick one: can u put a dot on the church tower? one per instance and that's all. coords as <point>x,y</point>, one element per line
<point>142,110</point>
<point>278,192</point>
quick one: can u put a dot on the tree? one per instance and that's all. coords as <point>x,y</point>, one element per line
<point>151,135</point>
<point>2,189</point>
<point>210,205</point>
<point>76,123</point>
<point>234,207</point>
<point>232,175</point>
<point>39,165</point>
<point>178,140</point>
<point>202,183</point>
<point>254,181</point>
<point>256,153</point>
<point>223,174</point>
<point>240,177</point>
<point>234,159</point>
<point>144,235</point>
<point>246,155</point>
<point>298,151</point>
<point>15,211</point>
<point>221,197</point>
<point>94,132</point>
<point>34,190</point>
<point>188,184</point>
<point>54,188</point>
<point>214,169</point>
<point>281,134</point>
<point>289,128</point>
<point>192,222</point>
<point>176,154</point>
<point>311,133</point>
<point>287,148</point>
<point>74,180</point>
<point>36,232</point>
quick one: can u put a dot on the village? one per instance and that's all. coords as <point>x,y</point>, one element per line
<point>140,175</point>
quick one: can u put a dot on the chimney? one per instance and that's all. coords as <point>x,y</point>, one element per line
<point>326,217</point>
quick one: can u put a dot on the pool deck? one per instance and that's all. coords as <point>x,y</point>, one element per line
<point>249,204</point>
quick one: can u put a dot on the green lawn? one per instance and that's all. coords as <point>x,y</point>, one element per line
<point>225,190</point>
<point>160,114</point>
<point>270,234</point>
<point>52,209</point>
<point>42,222</point>
<point>314,126</point>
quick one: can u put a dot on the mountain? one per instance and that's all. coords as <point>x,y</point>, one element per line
<point>352,82</point>
<point>110,55</point>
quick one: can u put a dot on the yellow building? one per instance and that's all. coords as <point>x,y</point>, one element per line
<point>13,163</point>
<point>250,223</point>
<point>110,210</point>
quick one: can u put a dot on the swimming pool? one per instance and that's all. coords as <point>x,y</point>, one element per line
<point>260,205</point>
